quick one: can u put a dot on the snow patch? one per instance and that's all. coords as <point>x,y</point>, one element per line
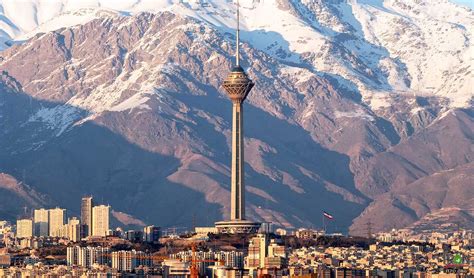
<point>300,74</point>
<point>379,101</point>
<point>57,118</point>
<point>308,111</point>
<point>416,110</point>
<point>137,101</point>
<point>359,113</point>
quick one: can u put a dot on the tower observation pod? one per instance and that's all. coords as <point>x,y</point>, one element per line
<point>237,86</point>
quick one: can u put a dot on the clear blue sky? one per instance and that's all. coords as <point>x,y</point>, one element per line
<point>469,3</point>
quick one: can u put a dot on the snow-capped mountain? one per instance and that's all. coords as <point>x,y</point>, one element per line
<point>393,46</point>
<point>365,104</point>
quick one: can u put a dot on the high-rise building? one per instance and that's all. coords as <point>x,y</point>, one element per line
<point>41,226</point>
<point>57,219</point>
<point>72,255</point>
<point>265,254</point>
<point>276,250</point>
<point>151,234</point>
<point>86,215</point>
<point>135,235</point>
<point>276,256</point>
<point>72,230</point>
<point>24,228</point>
<point>87,256</point>
<point>257,251</point>
<point>100,220</point>
<point>232,259</point>
<point>237,86</point>
<point>129,260</point>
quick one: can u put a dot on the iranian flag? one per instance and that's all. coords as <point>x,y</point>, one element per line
<point>327,215</point>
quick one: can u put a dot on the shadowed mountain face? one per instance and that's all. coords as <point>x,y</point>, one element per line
<point>129,109</point>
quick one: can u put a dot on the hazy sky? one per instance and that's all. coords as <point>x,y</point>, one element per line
<point>469,3</point>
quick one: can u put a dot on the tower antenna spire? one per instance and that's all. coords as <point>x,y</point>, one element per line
<point>237,56</point>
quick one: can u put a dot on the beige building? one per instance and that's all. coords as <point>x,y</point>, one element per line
<point>308,233</point>
<point>41,226</point>
<point>72,230</point>
<point>100,220</point>
<point>257,251</point>
<point>205,230</point>
<point>24,228</point>
<point>265,254</point>
<point>57,219</point>
<point>276,250</point>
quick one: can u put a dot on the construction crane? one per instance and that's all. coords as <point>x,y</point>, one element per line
<point>194,261</point>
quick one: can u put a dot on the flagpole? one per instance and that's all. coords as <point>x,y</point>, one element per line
<point>324,224</point>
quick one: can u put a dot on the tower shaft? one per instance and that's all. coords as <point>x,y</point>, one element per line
<point>237,178</point>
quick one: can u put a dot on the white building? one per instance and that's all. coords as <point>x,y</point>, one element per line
<point>57,219</point>
<point>87,256</point>
<point>41,218</point>
<point>72,255</point>
<point>24,228</point>
<point>129,260</point>
<point>175,268</point>
<point>231,259</point>
<point>100,220</point>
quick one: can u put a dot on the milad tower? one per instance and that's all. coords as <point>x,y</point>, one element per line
<point>237,86</point>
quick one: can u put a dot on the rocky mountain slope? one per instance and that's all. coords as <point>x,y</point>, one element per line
<point>128,108</point>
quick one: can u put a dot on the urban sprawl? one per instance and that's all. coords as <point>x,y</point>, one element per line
<point>48,245</point>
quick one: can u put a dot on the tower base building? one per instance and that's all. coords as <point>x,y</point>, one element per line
<point>237,227</point>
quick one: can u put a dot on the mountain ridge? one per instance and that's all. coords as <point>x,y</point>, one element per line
<point>145,88</point>
<point>385,46</point>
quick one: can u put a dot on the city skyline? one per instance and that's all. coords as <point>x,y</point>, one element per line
<point>55,222</point>
<point>394,254</point>
<point>270,251</point>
